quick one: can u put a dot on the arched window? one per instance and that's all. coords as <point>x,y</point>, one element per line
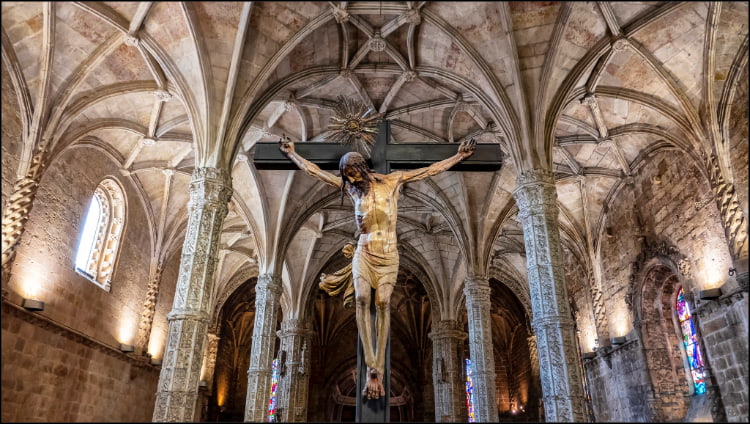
<point>690,340</point>
<point>100,238</point>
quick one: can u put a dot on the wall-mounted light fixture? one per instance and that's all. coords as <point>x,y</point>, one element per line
<point>618,340</point>
<point>126,348</point>
<point>588,355</point>
<point>710,294</point>
<point>203,383</point>
<point>33,305</point>
<point>155,361</point>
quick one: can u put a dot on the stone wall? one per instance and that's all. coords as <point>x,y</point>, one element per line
<point>52,374</point>
<point>669,201</point>
<point>724,326</point>
<point>618,384</point>
<point>44,269</point>
<point>738,142</point>
<point>12,136</point>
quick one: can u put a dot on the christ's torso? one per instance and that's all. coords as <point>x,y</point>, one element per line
<point>376,214</point>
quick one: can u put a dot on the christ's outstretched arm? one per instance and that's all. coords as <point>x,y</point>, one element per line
<point>465,150</point>
<point>286,145</point>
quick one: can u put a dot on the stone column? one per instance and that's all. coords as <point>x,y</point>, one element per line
<point>447,371</point>
<point>535,391</point>
<point>553,325</point>
<point>295,372</point>
<point>477,293</point>
<point>18,208</point>
<point>267,302</point>
<point>176,394</point>
<point>210,360</point>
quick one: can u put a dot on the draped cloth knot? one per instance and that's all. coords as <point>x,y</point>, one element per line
<point>341,280</point>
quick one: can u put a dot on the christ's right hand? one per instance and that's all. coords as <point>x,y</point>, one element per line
<point>286,145</point>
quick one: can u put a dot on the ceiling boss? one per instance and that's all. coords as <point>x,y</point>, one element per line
<point>354,124</point>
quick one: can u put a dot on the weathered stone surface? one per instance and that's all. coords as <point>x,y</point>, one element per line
<point>53,374</point>
<point>267,295</point>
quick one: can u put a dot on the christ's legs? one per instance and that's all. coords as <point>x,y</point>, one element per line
<point>364,323</point>
<point>383,307</point>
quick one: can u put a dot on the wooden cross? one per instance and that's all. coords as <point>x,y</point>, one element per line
<point>384,156</point>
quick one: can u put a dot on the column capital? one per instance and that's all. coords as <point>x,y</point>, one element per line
<point>269,282</point>
<point>535,176</point>
<point>476,288</point>
<point>187,314</point>
<point>295,327</point>
<point>447,329</point>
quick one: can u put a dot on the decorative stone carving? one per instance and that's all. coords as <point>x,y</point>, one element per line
<point>735,224</point>
<point>376,43</point>
<point>562,386</point>
<point>620,44</point>
<point>294,384</point>
<point>210,360</point>
<point>290,105</point>
<point>477,293</point>
<point>163,95</point>
<point>132,40</point>
<point>413,17</point>
<point>267,302</point>
<point>410,75</point>
<point>18,207</point>
<point>684,267</point>
<point>149,308</point>
<point>447,371</point>
<point>341,15</point>
<point>652,249</point>
<point>177,389</point>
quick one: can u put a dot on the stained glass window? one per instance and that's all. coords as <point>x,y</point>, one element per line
<point>690,339</point>
<point>272,398</point>
<point>469,391</point>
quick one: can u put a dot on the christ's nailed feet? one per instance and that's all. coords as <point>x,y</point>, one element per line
<point>374,385</point>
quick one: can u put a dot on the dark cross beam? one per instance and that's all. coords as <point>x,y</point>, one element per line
<point>384,156</point>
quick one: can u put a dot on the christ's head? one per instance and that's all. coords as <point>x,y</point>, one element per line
<point>355,171</point>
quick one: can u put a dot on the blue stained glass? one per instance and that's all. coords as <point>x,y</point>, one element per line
<point>274,385</point>
<point>690,340</point>
<point>469,391</point>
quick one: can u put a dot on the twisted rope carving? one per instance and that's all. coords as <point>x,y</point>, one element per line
<point>729,207</point>
<point>19,206</point>
<point>149,309</point>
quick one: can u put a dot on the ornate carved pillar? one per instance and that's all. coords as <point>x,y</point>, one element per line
<point>536,391</point>
<point>477,293</point>
<point>210,360</point>
<point>210,191</point>
<point>447,371</point>
<point>294,377</point>
<point>149,308</point>
<point>734,221</point>
<point>562,386</point>
<point>267,296</point>
<point>18,208</point>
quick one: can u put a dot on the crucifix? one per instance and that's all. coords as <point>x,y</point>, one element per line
<point>375,260</point>
<point>384,156</point>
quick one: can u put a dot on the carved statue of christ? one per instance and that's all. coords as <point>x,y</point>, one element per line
<point>375,259</point>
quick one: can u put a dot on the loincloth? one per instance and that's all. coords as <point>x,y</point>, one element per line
<point>371,267</point>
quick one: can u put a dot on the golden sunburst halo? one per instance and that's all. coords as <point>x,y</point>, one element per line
<point>354,124</point>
